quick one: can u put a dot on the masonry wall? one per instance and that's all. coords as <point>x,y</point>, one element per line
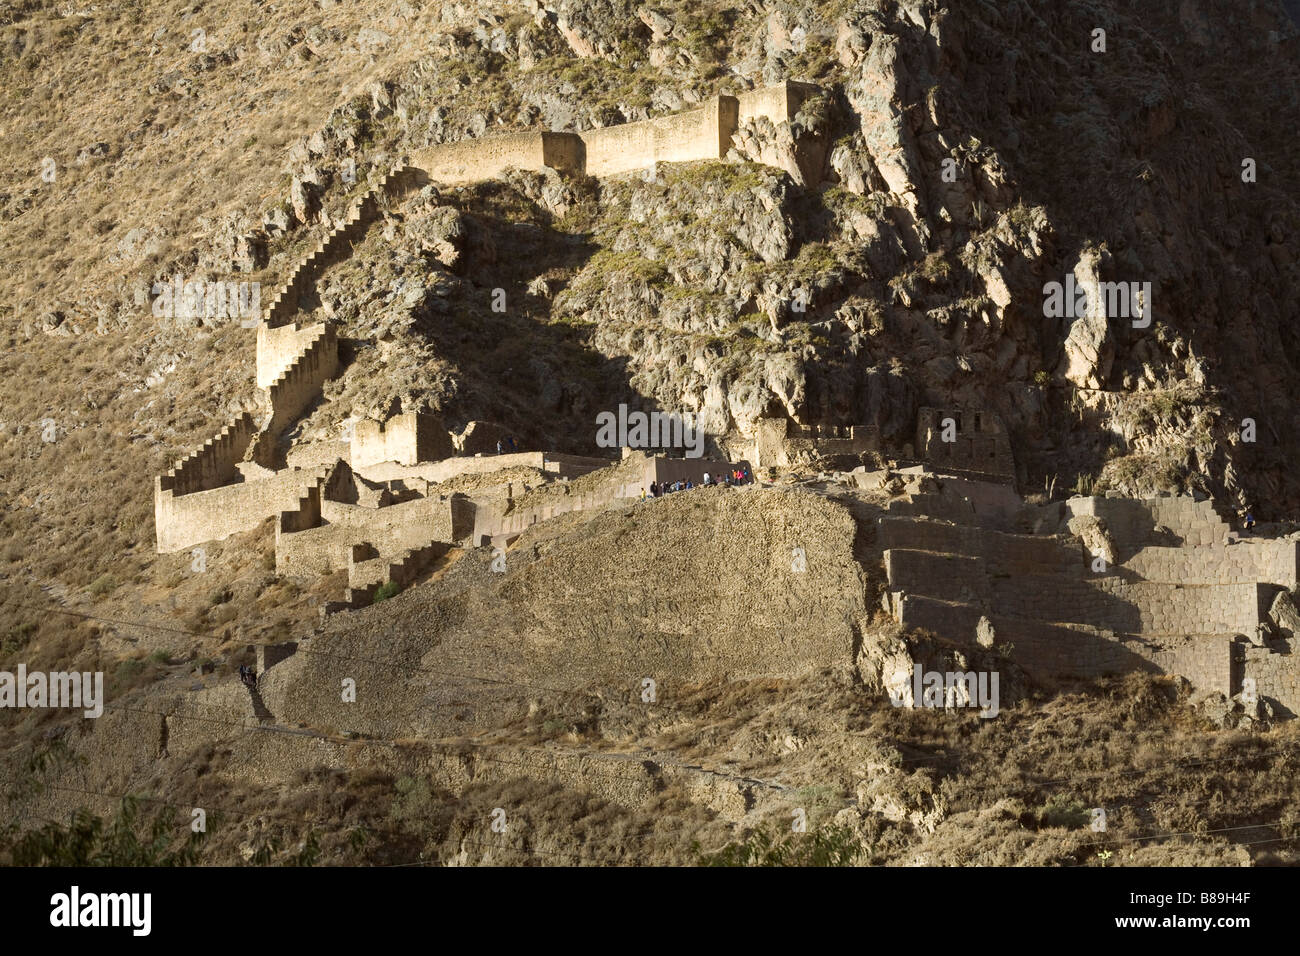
<point>402,569</point>
<point>1044,650</point>
<point>300,384</point>
<point>1055,650</point>
<point>439,471</point>
<point>405,439</point>
<point>948,577</point>
<point>779,102</point>
<point>1132,522</point>
<point>773,102</point>
<point>703,133</point>
<point>1138,608</point>
<point>981,443</point>
<point>496,519</point>
<point>564,151</point>
<point>572,466</point>
<point>183,521</point>
<point>214,464</point>
<point>486,158</point>
<point>660,470</point>
<point>1004,553</point>
<point>279,347</point>
<point>779,443</point>
<point>1206,662</point>
<point>390,530</point>
<point>1275,671</point>
<point>934,506</point>
<point>1244,562</point>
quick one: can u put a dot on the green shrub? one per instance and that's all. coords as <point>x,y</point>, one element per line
<point>89,840</point>
<point>1062,811</point>
<point>386,590</point>
<point>104,584</point>
<point>826,846</point>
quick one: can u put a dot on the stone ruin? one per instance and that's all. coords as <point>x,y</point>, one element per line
<point>372,505</point>
<point>1095,585</point>
<point>1080,588</point>
<point>969,440</point>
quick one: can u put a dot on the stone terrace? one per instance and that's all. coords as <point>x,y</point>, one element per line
<point>1187,596</point>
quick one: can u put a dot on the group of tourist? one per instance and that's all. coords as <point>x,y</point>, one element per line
<point>737,476</point>
<point>508,447</point>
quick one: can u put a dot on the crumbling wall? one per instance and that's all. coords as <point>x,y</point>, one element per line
<point>406,439</point>
<point>980,442</point>
<point>779,443</point>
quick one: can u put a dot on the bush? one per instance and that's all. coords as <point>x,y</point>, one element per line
<point>386,590</point>
<point>88,840</point>
<point>825,846</point>
<point>1064,812</point>
<point>104,584</point>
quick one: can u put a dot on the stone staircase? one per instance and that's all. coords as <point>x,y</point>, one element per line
<point>293,390</point>
<point>294,379</point>
<point>212,463</point>
<point>367,574</point>
<point>338,242</point>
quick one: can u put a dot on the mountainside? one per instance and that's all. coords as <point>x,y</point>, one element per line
<point>892,247</point>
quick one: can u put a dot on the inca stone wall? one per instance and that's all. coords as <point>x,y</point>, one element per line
<point>980,442</point>
<point>1273,669</point>
<point>325,546</point>
<point>294,362</point>
<point>779,443</point>
<point>1243,562</point>
<point>703,133</point>
<point>278,347</point>
<point>1201,610</point>
<point>779,102</point>
<point>406,439</point>
<point>300,384</point>
<point>1002,553</point>
<point>1132,521</point>
<point>564,466</point>
<point>215,464</point>
<point>487,158</point>
<point>183,521</point>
